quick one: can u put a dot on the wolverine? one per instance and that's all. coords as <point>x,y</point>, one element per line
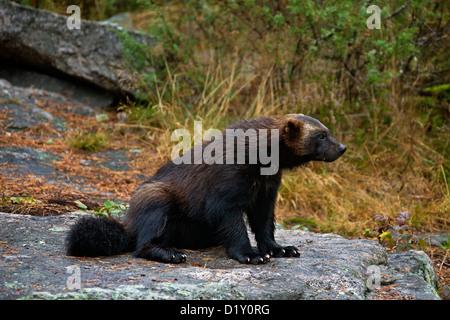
<point>197,205</point>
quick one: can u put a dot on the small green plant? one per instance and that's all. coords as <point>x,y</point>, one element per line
<point>23,200</point>
<point>301,223</point>
<point>81,205</point>
<point>109,209</point>
<point>446,244</point>
<point>88,141</point>
<point>391,232</point>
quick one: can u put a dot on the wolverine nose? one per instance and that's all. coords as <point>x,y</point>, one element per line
<point>342,148</point>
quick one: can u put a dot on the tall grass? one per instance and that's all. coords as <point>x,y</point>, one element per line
<point>389,167</point>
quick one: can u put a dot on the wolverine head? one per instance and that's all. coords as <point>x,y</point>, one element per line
<point>308,139</point>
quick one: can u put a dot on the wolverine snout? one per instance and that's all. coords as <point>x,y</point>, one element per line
<point>342,148</point>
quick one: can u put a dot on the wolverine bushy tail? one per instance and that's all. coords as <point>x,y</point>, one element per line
<point>93,237</point>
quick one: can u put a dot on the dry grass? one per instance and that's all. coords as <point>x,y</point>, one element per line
<point>388,168</point>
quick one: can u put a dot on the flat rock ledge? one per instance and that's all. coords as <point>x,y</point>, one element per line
<point>33,265</point>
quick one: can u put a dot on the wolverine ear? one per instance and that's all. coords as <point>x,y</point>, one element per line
<point>293,128</point>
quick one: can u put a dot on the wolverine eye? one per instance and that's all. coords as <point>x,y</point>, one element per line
<point>322,136</point>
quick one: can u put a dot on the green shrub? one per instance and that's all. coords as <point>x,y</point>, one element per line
<point>88,141</point>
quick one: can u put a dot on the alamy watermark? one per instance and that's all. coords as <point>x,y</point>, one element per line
<point>374,21</point>
<point>74,21</point>
<point>233,146</point>
<point>74,280</point>
<point>373,281</point>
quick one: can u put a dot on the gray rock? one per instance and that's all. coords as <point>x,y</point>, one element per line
<point>17,95</point>
<point>42,40</point>
<point>28,160</point>
<point>114,160</point>
<point>84,111</point>
<point>437,240</point>
<point>26,116</point>
<point>75,92</point>
<point>411,270</point>
<point>33,266</point>
<point>21,117</point>
<point>28,96</point>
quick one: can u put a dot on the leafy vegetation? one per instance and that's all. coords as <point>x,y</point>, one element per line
<point>88,141</point>
<point>109,209</point>
<point>393,232</point>
<point>25,199</point>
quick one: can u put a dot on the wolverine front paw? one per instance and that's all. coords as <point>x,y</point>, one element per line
<point>256,259</point>
<point>252,258</point>
<point>287,252</point>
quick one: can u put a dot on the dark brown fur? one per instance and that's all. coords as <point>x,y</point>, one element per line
<point>200,205</point>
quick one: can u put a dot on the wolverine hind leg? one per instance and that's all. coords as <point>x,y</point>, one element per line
<point>159,226</point>
<point>160,253</point>
<point>170,234</point>
<point>150,217</point>
<point>156,234</point>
